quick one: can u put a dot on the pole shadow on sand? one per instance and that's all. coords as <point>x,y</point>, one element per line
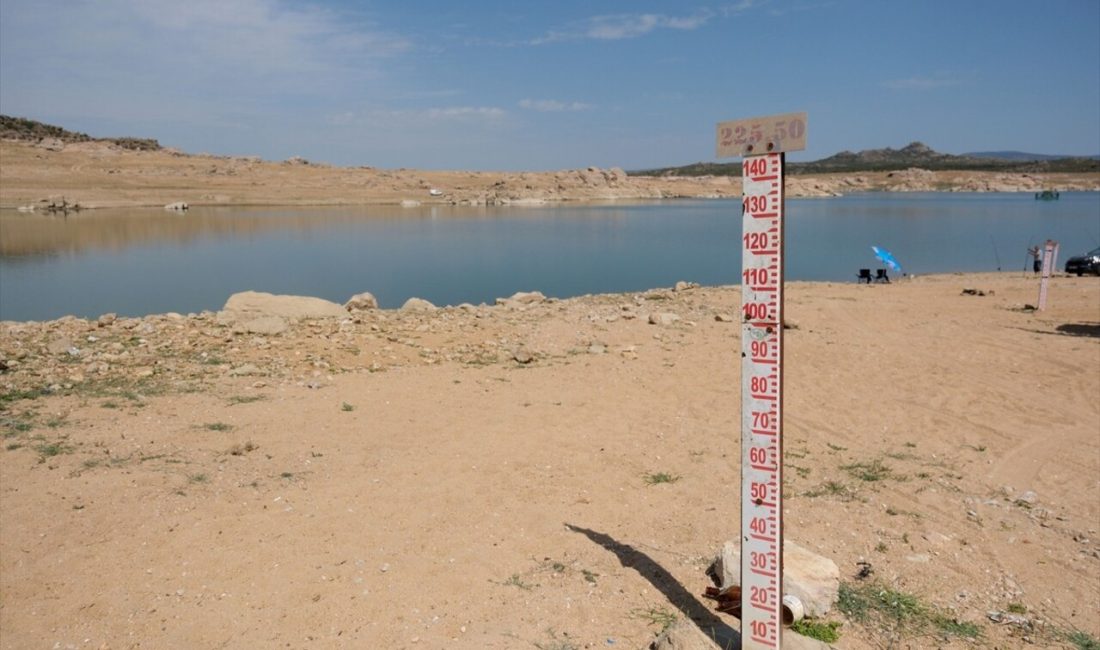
<point>631,558</point>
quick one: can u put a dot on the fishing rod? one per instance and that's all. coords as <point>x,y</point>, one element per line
<point>996,255</point>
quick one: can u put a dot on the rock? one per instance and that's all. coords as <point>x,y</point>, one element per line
<point>1028,498</point>
<point>105,320</point>
<point>417,304</point>
<point>144,371</point>
<point>813,579</point>
<point>685,286</point>
<point>62,345</point>
<point>523,356</point>
<point>250,305</point>
<point>178,206</point>
<point>723,318</point>
<point>361,302</point>
<point>265,325</point>
<point>597,348</point>
<point>1009,619</point>
<point>50,144</point>
<point>663,318</point>
<point>523,298</point>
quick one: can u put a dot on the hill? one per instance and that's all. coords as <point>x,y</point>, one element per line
<point>24,130</point>
<point>915,154</point>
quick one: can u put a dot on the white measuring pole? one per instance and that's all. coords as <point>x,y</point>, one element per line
<point>762,401</point>
<point>762,142</point>
<point>1050,257</point>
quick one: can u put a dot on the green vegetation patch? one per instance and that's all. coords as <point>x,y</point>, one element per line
<point>842,491</point>
<point>51,449</point>
<point>1082,640</point>
<point>827,631</point>
<point>897,614</point>
<point>657,478</point>
<point>871,471</point>
<point>657,616</point>
<point>25,393</point>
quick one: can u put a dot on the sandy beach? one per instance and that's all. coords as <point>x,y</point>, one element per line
<point>547,474</point>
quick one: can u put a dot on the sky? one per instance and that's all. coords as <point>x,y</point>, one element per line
<point>513,85</point>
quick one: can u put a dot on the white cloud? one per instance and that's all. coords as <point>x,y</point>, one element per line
<point>623,26</point>
<point>552,105</point>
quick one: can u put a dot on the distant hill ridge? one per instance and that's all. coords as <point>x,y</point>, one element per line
<point>915,154</point>
<point>18,128</point>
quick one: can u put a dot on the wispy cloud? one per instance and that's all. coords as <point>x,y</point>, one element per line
<point>624,26</point>
<point>920,83</point>
<point>740,6</point>
<point>552,105</point>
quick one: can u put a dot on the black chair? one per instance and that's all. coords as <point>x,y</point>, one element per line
<point>880,276</point>
<point>864,274</point>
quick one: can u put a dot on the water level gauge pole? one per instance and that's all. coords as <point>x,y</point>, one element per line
<point>762,142</point>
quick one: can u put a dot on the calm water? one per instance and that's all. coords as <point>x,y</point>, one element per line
<point>136,262</point>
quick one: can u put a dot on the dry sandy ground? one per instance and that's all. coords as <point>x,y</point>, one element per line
<point>101,175</point>
<point>400,480</point>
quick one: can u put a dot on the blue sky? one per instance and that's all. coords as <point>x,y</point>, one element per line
<point>496,85</point>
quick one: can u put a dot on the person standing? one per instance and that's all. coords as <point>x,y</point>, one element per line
<point>1036,252</point>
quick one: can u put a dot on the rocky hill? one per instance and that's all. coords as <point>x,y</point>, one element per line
<point>47,135</point>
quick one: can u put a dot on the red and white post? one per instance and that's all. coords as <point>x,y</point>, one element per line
<point>762,142</point>
<point>762,401</point>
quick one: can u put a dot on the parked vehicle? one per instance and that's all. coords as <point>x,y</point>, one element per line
<point>1087,263</point>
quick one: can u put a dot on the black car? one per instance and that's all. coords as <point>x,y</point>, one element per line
<point>1087,263</point>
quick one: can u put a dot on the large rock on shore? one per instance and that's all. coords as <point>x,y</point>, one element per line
<point>417,304</point>
<point>253,305</point>
<point>812,578</point>
<point>361,302</point>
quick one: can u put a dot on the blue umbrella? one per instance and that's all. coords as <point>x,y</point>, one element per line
<point>887,258</point>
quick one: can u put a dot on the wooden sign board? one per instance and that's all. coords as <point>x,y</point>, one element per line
<point>762,135</point>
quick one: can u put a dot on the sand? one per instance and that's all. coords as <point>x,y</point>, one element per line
<point>399,480</point>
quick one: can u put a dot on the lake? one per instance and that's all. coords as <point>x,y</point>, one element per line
<point>135,262</point>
